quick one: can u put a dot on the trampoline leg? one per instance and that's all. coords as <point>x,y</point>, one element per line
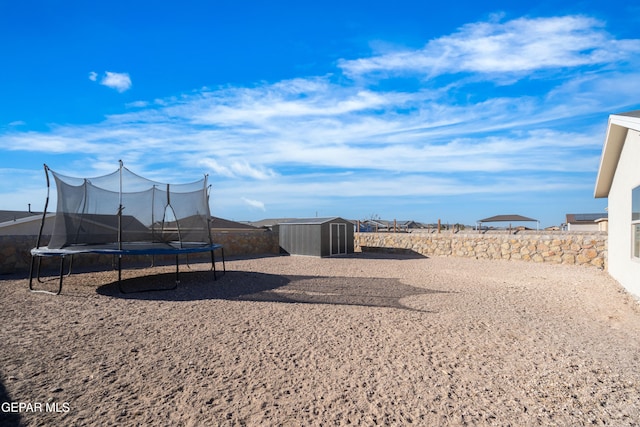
<point>33,261</point>
<point>40,281</point>
<point>120,274</point>
<point>177,271</point>
<point>213,263</point>
<point>121,288</point>
<point>39,270</point>
<point>61,275</point>
<point>70,265</point>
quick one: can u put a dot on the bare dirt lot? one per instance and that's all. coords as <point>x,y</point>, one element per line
<point>367,339</point>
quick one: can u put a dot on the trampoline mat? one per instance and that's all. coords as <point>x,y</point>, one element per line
<point>129,248</point>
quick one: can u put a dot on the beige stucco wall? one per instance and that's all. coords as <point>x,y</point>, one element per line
<point>583,227</point>
<point>622,266</point>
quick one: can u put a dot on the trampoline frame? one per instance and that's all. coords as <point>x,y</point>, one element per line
<point>128,249</point>
<point>117,249</point>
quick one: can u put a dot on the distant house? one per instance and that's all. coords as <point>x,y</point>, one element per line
<point>224,225</point>
<point>381,225</point>
<point>16,223</point>
<point>619,181</point>
<point>586,222</point>
<point>24,223</point>
<point>376,225</point>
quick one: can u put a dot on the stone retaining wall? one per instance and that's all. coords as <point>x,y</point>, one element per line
<point>14,253</point>
<point>15,256</point>
<point>579,248</point>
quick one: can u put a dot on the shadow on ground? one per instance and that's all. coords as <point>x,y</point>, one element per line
<point>388,253</point>
<point>7,417</point>
<point>253,286</point>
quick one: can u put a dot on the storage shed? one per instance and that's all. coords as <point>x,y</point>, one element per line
<point>317,236</point>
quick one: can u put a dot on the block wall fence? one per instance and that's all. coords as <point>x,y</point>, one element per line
<point>577,248</point>
<point>15,255</point>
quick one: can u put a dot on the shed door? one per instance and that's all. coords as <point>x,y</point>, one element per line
<point>338,237</point>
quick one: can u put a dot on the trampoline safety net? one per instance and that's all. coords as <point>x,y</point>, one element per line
<point>123,207</point>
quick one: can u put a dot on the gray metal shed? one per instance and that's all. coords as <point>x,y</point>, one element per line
<point>317,236</point>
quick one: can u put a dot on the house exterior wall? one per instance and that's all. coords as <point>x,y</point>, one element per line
<point>583,227</point>
<point>622,266</point>
<point>603,225</point>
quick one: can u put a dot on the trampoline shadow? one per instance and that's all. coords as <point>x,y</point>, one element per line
<point>262,287</point>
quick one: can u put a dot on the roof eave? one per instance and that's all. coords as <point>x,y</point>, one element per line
<point>614,141</point>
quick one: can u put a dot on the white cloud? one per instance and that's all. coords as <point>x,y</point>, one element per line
<point>519,46</point>
<point>290,99</point>
<point>236,168</point>
<point>414,133</point>
<point>93,76</point>
<point>138,104</point>
<point>309,140</point>
<point>118,81</point>
<point>254,203</point>
<point>243,168</point>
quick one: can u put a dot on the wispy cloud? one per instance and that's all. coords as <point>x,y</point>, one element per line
<point>519,46</point>
<point>321,137</point>
<point>118,81</point>
<point>254,203</point>
<point>235,168</point>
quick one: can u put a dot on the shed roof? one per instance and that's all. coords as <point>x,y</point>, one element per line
<point>507,218</point>
<point>311,221</point>
<point>617,129</point>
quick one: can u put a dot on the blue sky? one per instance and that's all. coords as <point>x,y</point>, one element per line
<point>408,109</point>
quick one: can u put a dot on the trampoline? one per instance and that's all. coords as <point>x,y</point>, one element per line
<point>123,214</point>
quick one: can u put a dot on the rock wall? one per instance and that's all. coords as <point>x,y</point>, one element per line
<point>248,243</point>
<point>579,248</point>
<point>15,255</point>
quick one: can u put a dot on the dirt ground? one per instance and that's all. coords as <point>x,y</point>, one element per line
<point>365,339</point>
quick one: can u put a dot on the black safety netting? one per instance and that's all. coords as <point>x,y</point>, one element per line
<point>122,208</point>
